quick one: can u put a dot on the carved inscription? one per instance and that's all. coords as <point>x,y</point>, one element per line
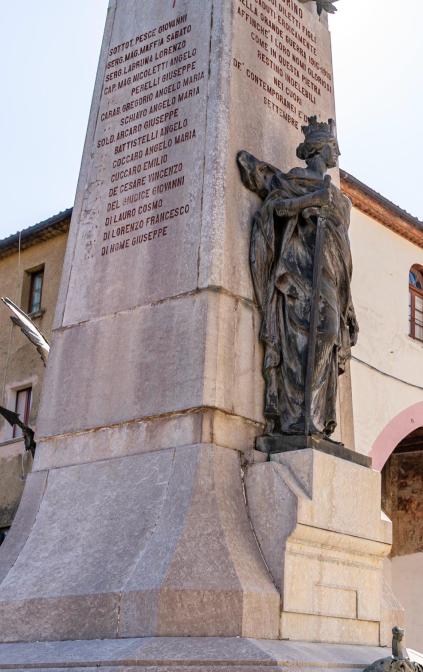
<point>146,134</point>
<point>283,60</point>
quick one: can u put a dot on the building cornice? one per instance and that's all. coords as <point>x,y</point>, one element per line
<point>49,228</point>
<point>380,208</point>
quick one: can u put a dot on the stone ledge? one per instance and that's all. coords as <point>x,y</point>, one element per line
<point>144,435</point>
<point>183,654</point>
<point>274,445</point>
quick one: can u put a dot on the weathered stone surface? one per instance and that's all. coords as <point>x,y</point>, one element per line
<point>271,123</point>
<point>159,433</point>
<point>187,654</point>
<point>214,236</point>
<point>205,248</point>
<point>102,280</point>
<point>163,365</point>
<point>286,443</point>
<point>13,464</point>
<point>406,582</point>
<point>142,536</point>
<point>345,429</point>
<point>23,522</point>
<point>213,579</point>
<point>392,611</point>
<point>329,629</point>
<point>148,362</point>
<point>184,562</point>
<point>323,544</point>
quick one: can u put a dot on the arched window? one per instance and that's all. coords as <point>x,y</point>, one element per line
<point>416,302</point>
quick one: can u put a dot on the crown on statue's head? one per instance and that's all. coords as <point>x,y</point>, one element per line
<point>319,131</point>
<point>317,134</point>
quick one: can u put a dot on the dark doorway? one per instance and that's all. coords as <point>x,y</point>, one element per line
<point>402,494</point>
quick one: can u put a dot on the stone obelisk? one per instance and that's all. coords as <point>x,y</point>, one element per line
<point>134,521</point>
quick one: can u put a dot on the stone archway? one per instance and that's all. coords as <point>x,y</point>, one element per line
<point>402,494</point>
<point>398,454</point>
<point>395,431</point>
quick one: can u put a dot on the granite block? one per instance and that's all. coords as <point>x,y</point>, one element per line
<point>189,653</point>
<point>324,546</point>
<point>185,561</point>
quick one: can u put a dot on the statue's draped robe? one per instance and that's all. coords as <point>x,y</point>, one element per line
<point>282,261</point>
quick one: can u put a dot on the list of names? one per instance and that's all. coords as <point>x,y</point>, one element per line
<point>146,133</point>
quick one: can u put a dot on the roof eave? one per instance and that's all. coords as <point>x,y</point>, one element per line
<point>44,230</point>
<point>380,208</point>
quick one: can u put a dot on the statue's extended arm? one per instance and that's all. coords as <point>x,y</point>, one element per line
<point>288,207</point>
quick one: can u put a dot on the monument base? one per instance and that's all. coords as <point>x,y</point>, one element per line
<point>149,545</point>
<point>186,655</point>
<point>285,443</point>
<point>318,521</point>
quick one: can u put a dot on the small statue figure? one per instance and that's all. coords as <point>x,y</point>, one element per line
<point>399,661</point>
<point>397,643</point>
<point>301,266</point>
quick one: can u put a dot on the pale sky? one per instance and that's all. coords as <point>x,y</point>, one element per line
<point>49,51</point>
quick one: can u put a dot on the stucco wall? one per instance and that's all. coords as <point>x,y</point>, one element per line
<point>20,364</point>
<point>407,581</point>
<point>382,260</point>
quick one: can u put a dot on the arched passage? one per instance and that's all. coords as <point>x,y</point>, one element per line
<point>396,430</point>
<point>402,494</point>
<point>398,454</point>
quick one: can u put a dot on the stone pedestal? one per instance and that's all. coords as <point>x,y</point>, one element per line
<point>155,544</point>
<point>319,525</point>
<point>134,521</point>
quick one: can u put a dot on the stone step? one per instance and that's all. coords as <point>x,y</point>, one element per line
<point>183,654</point>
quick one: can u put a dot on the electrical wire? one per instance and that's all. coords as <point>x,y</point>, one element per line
<point>386,374</point>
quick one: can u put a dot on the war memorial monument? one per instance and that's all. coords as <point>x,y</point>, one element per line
<point>196,500</point>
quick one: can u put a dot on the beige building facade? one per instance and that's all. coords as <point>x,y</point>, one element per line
<point>387,379</point>
<point>386,368</point>
<point>387,362</point>
<point>30,270</point>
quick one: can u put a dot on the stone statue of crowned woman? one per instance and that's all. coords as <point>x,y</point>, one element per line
<point>301,267</point>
